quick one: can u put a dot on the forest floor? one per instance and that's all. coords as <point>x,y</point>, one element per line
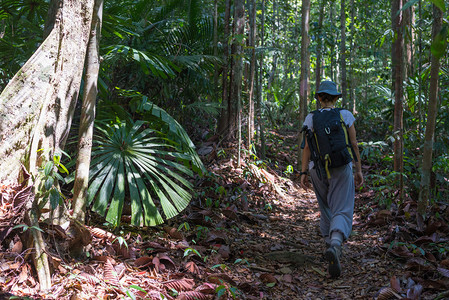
<point>252,233</point>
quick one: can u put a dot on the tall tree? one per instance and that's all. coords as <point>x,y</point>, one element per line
<point>224,122</point>
<point>438,44</point>
<point>216,71</point>
<point>252,46</point>
<point>260,120</point>
<point>409,17</point>
<point>319,50</point>
<point>343,53</point>
<point>87,115</point>
<point>352,106</point>
<point>237,71</point>
<point>37,105</point>
<point>305,65</point>
<point>397,86</point>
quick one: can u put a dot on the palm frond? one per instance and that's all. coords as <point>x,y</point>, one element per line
<point>177,132</point>
<point>136,161</point>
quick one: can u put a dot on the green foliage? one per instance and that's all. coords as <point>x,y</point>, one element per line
<point>137,164</point>
<point>21,33</point>
<point>372,152</point>
<point>158,117</point>
<point>439,44</point>
<point>190,251</point>
<point>48,189</point>
<point>26,227</point>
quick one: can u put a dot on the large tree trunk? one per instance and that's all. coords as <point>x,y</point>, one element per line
<point>87,115</point>
<point>37,104</point>
<point>431,118</point>
<point>36,107</point>
<point>304,76</point>
<point>398,77</point>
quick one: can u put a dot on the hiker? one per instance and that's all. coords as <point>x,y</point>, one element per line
<point>333,186</point>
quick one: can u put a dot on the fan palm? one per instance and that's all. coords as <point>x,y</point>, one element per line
<point>142,165</point>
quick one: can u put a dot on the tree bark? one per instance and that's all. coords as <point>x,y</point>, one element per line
<point>236,88</point>
<point>252,45</point>
<point>92,67</point>
<point>37,104</point>
<point>398,77</point>
<point>223,124</point>
<point>319,50</point>
<point>305,65</point>
<point>343,55</point>
<point>352,103</point>
<point>260,119</point>
<point>408,41</point>
<point>216,71</point>
<point>36,107</point>
<point>424,190</point>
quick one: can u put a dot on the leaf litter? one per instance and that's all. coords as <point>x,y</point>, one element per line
<point>252,233</point>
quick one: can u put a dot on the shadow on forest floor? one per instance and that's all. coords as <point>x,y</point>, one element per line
<point>251,233</point>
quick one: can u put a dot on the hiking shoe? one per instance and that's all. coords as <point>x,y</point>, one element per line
<point>332,255</point>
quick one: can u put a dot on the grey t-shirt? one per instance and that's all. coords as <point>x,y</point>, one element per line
<point>348,118</point>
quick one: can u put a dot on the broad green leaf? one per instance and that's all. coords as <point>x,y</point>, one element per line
<point>49,183</point>
<point>101,204</point>
<point>152,216</point>
<point>440,4</point>
<point>55,198</point>
<point>409,4</point>
<point>136,203</point>
<point>48,168</point>
<point>116,206</point>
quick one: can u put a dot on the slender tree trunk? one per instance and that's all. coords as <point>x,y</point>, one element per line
<point>408,41</point>
<point>305,65</point>
<point>252,45</point>
<point>260,98</point>
<point>223,125</point>
<point>424,190</point>
<point>36,107</point>
<point>319,50</point>
<point>332,48</point>
<point>343,54</point>
<point>420,90</point>
<point>352,105</point>
<point>237,54</point>
<point>92,67</point>
<point>273,72</point>
<point>398,71</point>
<point>216,71</point>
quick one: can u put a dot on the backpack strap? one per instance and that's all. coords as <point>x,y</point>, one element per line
<point>346,131</point>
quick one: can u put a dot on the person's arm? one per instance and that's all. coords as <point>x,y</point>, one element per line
<point>305,166</point>
<point>358,176</point>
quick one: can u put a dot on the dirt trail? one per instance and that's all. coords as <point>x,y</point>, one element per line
<point>293,226</point>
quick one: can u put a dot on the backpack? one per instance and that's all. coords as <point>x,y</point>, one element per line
<point>329,141</point>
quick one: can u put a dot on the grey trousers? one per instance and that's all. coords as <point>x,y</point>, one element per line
<point>336,200</point>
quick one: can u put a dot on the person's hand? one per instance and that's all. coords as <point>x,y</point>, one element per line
<point>358,178</point>
<point>305,182</point>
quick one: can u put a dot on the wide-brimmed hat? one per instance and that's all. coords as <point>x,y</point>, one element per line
<point>328,87</point>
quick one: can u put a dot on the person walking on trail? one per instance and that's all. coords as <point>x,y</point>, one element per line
<point>333,180</point>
